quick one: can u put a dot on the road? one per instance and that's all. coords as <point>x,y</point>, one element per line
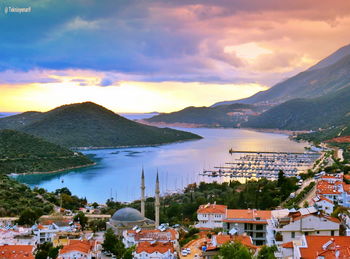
<point>195,249</point>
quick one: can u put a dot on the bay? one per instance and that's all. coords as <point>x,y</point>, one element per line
<point>117,172</point>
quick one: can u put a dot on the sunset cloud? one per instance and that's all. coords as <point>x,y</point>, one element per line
<point>204,42</point>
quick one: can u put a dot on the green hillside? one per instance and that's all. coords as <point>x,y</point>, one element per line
<point>91,125</point>
<point>329,75</point>
<point>19,120</point>
<point>325,112</point>
<point>220,116</point>
<point>23,153</point>
<point>15,198</point>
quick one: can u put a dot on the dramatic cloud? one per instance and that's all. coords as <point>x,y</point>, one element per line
<point>107,44</point>
<point>174,40</point>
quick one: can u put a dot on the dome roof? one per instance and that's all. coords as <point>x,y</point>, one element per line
<point>127,214</point>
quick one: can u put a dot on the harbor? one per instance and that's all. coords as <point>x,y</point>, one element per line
<point>257,164</point>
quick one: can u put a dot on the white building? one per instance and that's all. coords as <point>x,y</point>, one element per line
<point>304,222</point>
<point>211,216</point>
<point>335,189</point>
<point>324,204</point>
<point>46,233</point>
<point>79,249</point>
<point>155,250</point>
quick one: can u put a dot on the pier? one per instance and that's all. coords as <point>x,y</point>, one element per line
<point>266,164</point>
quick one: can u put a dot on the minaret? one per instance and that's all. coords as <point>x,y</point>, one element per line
<point>157,203</point>
<point>143,193</point>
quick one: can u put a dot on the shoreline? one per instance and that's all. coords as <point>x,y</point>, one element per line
<point>54,171</point>
<point>135,146</point>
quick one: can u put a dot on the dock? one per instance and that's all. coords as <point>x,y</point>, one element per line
<point>266,164</point>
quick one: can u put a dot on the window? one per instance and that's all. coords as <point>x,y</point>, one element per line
<point>293,235</point>
<point>259,227</point>
<point>318,232</point>
<point>259,235</point>
<point>332,233</point>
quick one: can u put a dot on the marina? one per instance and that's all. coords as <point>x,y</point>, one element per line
<point>254,164</point>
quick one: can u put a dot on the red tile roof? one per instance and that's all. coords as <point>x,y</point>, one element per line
<point>159,247</point>
<point>322,198</point>
<point>16,251</point>
<point>212,209</point>
<point>223,239</point>
<point>326,246</point>
<point>324,187</point>
<point>287,245</point>
<point>248,216</point>
<point>83,246</point>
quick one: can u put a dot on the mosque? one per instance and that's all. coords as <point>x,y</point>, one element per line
<point>127,218</point>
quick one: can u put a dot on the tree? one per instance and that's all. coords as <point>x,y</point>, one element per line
<point>267,252</point>
<point>110,239</point>
<point>234,250</point>
<point>95,205</point>
<point>47,250</point>
<point>27,217</point>
<point>64,190</point>
<point>81,218</point>
<point>281,178</point>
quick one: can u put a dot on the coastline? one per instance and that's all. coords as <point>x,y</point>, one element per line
<point>135,146</point>
<point>55,171</point>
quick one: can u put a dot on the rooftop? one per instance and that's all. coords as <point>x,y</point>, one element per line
<point>150,248</point>
<point>248,216</point>
<point>328,247</point>
<point>212,208</point>
<point>16,251</point>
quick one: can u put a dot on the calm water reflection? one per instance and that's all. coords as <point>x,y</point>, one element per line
<point>117,172</point>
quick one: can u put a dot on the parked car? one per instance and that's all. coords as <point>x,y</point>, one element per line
<point>184,252</point>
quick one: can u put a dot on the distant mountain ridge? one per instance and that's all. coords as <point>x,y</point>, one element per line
<point>91,125</point>
<point>328,111</point>
<point>220,116</point>
<point>327,76</point>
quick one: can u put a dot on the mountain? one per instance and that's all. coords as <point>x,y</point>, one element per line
<point>19,120</point>
<point>24,153</point>
<point>91,125</point>
<point>327,76</point>
<point>329,111</point>
<point>220,116</point>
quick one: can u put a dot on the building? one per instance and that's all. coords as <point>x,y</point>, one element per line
<point>213,246</point>
<point>46,233</point>
<point>211,216</point>
<point>335,189</point>
<point>134,237</point>
<point>304,222</point>
<point>16,236</point>
<point>322,247</point>
<point>17,251</point>
<point>323,204</point>
<point>79,249</point>
<point>128,218</point>
<point>252,222</point>
<point>8,221</point>
<point>155,250</point>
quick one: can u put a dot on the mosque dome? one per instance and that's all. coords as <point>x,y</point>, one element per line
<point>127,215</point>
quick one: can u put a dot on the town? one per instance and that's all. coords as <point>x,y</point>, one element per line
<point>320,226</point>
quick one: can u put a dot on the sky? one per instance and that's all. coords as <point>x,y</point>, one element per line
<point>159,55</point>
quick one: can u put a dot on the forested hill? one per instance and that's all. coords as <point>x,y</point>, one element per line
<point>220,116</point>
<point>328,111</point>
<point>23,153</point>
<point>91,125</point>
